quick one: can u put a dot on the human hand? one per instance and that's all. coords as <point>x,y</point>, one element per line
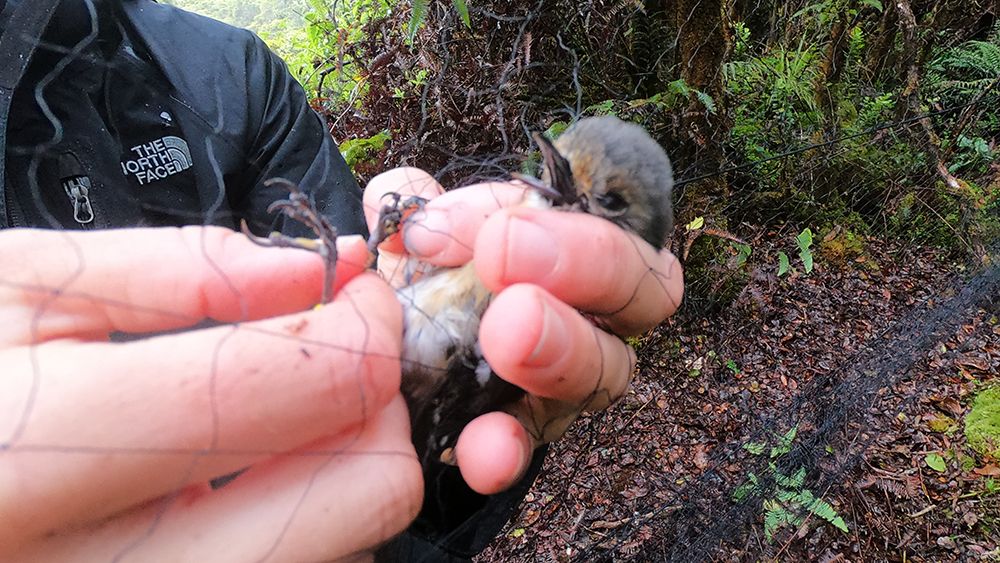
<point>544,267</point>
<point>106,448</point>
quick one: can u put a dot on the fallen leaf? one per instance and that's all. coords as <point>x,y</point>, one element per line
<point>635,492</point>
<point>606,525</point>
<point>951,406</point>
<point>700,457</point>
<point>987,471</point>
<point>973,363</point>
<point>935,462</point>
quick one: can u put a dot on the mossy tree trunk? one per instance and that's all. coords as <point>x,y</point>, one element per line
<point>881,50</point>
<point>832,65</point>
<point>703,44</point>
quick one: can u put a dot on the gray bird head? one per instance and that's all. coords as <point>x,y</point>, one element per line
<point>615,170</point>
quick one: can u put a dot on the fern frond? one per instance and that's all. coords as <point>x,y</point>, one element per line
<point>417,17</point>
<point>463,12</point>
<point>819,507</point>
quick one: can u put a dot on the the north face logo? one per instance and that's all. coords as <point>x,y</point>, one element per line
<point>158,159</point>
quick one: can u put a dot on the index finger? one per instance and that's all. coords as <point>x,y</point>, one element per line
<point>88,284</point>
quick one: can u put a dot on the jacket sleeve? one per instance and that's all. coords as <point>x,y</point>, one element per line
<point>287,139</point>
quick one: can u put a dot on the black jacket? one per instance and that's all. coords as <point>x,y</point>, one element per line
<point>163,118</point>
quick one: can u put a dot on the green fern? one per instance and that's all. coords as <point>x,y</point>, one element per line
<point>418,15</point>
<point>420,8</point>
<point>785,500</point>
<point>967,68</point>
<point>463,12</point>
<point>786,77</point>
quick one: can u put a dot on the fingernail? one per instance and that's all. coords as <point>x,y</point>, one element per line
<point>532,253</point>
<point>427,233</point>
<point>553,341</point>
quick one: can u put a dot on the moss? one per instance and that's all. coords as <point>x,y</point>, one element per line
<point>982,424</point>
<point>842,248</point>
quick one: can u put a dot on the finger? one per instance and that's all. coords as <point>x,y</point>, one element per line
<point>493,452</point>
<point>535,341</point>
<point>214,401</point>
<point>583,260</point>
<point>86,285</point>
<point>404,181</point>
<point>444,231</point>
<point>340,498</point>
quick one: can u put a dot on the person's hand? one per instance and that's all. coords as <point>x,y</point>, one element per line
<point>544,267</point>
<point>106,448</point>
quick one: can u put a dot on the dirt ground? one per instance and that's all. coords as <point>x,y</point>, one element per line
<point>897,469</point>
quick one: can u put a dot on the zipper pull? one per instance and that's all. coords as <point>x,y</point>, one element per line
<point>77,185</point>
<point>78,190</point>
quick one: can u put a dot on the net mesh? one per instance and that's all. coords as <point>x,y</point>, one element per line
<point>837,218</point>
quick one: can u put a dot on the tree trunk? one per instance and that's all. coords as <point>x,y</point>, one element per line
<point>885,39</point>
<point>832,65</point>
<point>702,48</point>
<point>909,106</point>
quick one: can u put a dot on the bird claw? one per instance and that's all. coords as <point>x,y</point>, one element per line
<point>537,184</point>
<point>391,217</point>
<point>300,208</point>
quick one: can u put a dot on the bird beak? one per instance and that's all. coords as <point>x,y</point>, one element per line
<point>561,188</point>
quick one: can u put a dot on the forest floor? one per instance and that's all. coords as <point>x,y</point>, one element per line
<point>654,477</point>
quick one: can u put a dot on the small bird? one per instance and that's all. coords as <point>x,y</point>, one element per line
<point>602,166</point>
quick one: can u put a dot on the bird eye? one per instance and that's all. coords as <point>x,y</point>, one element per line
<point>612,201</point>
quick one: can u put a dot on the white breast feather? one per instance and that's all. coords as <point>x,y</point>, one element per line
<point>440,314</point>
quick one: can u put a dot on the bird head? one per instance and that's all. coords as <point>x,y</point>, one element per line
<point>613,169</point>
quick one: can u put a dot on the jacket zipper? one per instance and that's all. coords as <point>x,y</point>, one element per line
<point>77,186</point>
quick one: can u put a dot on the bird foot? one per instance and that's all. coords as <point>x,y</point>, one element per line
<point>391,217</point>
<point>300,208</point>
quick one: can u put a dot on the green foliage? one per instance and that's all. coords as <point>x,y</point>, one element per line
<point>249,14</point>
<point>958,74</point>
<point>556,130</point>
<point>418,15</point>
<point>974,155</point>
<point>777,89</point>
<point>966,69</point>
<point>935,462</point>
<point>783,265</point>
<point>463,12</point>
<point>934,215</point>
<point>313,37</point>
<point>786,501</point>
<point>804,240</point>
<point>743,252</point>
<point>607,107</point>
<point>675,97</point>
<point>357,151</point>
<point>841,246</point>
<point>784,444</point>
<point>742,35</point>
<point>982,424</point>
<point>695,224</point>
